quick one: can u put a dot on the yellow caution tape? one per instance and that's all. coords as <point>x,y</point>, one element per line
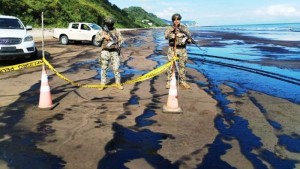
<point>34,63</point>
<point>146,76</point>
<point>152,73</point>
<point>21,66</point>
<point>60,75</point>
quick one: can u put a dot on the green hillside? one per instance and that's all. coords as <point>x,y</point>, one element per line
<point>143,18</point>
<point>58,13</point>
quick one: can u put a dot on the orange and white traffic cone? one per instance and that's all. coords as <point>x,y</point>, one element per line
<point>172,103</point>
<point>45,95</point>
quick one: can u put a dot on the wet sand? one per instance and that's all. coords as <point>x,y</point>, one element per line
<point>116,128</point>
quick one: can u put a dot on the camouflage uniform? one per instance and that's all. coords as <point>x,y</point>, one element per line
<point>109,54</point>
<point>181,41</point>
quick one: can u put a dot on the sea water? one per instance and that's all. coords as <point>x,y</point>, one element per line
<point>267,47</point>
<point>279,31</point>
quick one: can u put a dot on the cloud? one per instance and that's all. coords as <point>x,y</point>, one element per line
<point>279,11</point>
<point>134,1</point>
<point>166,10</point>
<point>166,13</point>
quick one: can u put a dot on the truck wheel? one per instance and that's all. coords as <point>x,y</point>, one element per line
<point>95,43</point>
<point>64,39</point>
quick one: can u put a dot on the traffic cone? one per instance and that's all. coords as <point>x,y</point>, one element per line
<point>172,103</point>
<point>45,95</point>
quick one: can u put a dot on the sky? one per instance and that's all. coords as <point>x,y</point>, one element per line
<point>221,12</point>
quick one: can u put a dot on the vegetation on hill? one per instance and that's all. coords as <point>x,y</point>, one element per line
<point>58,13</point>
<point>143,18</point>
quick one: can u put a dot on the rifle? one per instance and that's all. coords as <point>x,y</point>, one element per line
<point>192,40</point>
<point>114,39</point>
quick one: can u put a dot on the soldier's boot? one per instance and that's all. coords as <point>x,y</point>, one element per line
<point>168,85</point>
<point>185,85</point>
<point>119,86</point>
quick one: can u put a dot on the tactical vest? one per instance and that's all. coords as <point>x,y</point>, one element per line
<point>109,44</point>
<point>180,41</point>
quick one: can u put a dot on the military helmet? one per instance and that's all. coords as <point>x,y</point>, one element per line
<point>109,22</point>
<point>176,16</point>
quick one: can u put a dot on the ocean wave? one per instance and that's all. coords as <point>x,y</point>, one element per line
<point>295,27</point>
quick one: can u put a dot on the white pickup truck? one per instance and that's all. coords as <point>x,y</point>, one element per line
<point>77,31</point>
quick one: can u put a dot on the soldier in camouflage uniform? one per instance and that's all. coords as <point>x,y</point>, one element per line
<point>109,52</point>
<point>175,32</point>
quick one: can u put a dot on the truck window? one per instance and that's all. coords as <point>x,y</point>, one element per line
<point>75,26</point>
<point>85,27</point>
<point>95,26</point>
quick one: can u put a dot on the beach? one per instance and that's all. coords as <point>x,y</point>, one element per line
<point>220,127</point>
